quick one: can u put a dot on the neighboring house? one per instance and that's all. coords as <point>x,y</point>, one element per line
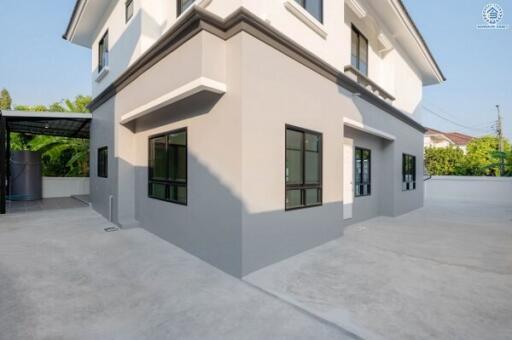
<point>438,139</point>
<point>247,131</point>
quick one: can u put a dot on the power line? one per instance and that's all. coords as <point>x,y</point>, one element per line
<point>480,129</point>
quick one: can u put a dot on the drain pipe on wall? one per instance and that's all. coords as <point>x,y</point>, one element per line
<point>110,207</point>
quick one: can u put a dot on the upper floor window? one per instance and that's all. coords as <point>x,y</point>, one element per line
<point>103,52</point>
<point>408,172</point>
<point>314,7</point>
<point>128,11</point>
<point>303,168</point>
<point>168,167</point>
<point>359,51</point>
<point>363,172</point>
<point>183,5</point>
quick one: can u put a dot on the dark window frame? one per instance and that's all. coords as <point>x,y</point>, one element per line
<point>359,36</point>
<point>167,182</point>
<point>360,181</point>
<point>102,162</point>
<point>408,183</point>
<point>303,187</point>
<point>303,4</point>
<point>179,7</point>
<point>127,15</point>
<point>102,50</point>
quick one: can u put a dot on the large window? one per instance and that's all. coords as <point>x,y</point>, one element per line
<point>363,172</point>
<point>103,162</point>
<point>303,168</point>
<point>183,5</point>
<point>408,172</point>
<point>168,167</point>
<point>314,7</point>
<point>103,52</point>
<point>128,11</point>
<point>359,51</point>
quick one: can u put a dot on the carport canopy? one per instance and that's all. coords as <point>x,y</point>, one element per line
<point>62,124</point>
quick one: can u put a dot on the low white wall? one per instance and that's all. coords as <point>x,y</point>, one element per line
<point>65,186</point>
<point>489,189</point>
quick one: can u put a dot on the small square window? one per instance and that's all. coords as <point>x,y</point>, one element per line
<point>103,52</point>
<point>103,162</point>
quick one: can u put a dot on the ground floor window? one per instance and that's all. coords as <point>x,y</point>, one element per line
<point>363,172</point>
<point>103,162</point>
<point>303,173</point>
<point>408,172</point>
<point>168,167</point>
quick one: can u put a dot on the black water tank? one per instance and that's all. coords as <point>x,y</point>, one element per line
<point>26,181</point>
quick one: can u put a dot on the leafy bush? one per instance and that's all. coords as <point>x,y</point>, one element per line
<point>481,159</point>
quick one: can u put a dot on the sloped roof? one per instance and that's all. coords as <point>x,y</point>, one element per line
<point>459,138</point>
<point>456,137</point>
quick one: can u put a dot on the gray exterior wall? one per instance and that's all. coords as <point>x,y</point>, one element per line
<point>235,217</point>
<point>277,91</point>
<point>102,134</point>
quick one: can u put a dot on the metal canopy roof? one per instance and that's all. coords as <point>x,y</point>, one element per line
<point>63,124</point>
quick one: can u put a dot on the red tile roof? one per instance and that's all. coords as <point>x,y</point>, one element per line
<point>456,137</point>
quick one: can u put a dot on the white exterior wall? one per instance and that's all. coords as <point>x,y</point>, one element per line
<point>152,18</point>
<point>65,186</point>
<point>466,188</point>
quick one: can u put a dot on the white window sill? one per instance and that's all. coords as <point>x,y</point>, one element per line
<point>102,74</point>
<point>303,15</point>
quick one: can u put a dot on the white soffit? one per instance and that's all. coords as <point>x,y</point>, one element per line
<point>365,128</point>
<point>199,85</point>
<point>356,6</point>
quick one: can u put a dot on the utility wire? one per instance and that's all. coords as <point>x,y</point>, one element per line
<point>481,129</point>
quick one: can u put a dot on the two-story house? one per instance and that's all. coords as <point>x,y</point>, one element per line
<point>247,131</point>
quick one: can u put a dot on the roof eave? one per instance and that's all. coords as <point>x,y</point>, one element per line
<point>422,42</point>
<point>74,19</point>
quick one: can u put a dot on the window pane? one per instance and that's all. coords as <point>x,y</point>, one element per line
<point>294,139</point>
<point>312,142</point>
<point>293,167</point>
<point>359,170</point>
<point>312,164</point>
<point>177,163</point>
<point>354,49</point>
<point>178,193</point>
<point>312,196</point>
<point>157,190</point>
<point>314,7</point>
<point>158,158</point>
<point>366,171</point>
<point>363,50</point>
<point>179,138</point>
<point>184,4</point>
<point>178,157</point>
<point>293,198</point>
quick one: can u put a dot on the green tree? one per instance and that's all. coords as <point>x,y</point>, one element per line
<point>5,100</point>
<point>443,161</point>
<point>481,158</point>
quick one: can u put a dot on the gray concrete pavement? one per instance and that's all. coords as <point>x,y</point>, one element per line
<point>441,272</point>
<point>63,277</point>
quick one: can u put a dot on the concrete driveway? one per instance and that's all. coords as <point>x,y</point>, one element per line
<point>441,272</point>
<point>63,277</point>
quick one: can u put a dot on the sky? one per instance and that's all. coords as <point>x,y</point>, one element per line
<point>38,67</point>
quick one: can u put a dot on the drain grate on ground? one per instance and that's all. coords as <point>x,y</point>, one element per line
<point>111,229</point>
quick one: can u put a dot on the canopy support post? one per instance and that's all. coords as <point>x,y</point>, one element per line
<point>3,163</point>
